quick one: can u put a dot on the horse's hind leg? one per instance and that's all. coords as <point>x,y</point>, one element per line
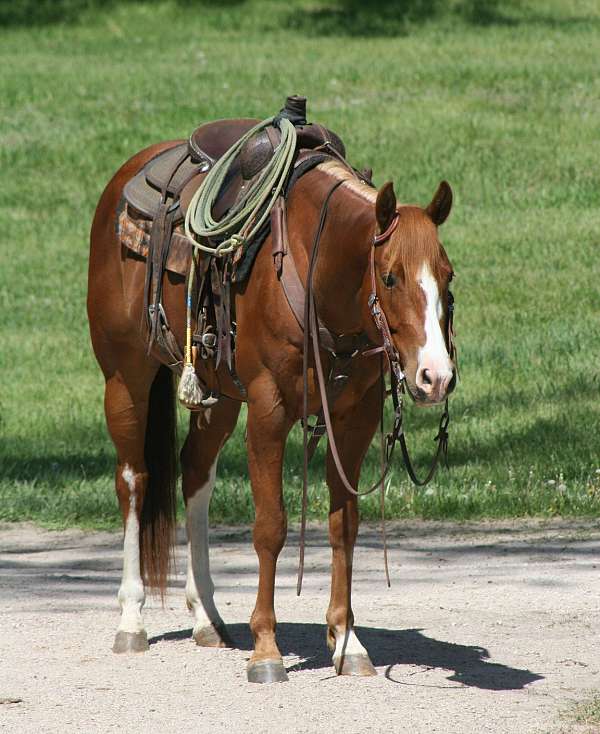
<point>209,430</point>
<point>353,430</point>
<point>140,417</point>
<point>126,408</point>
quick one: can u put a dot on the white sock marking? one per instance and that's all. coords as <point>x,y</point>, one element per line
<point>347,643</point>
<point>199,587</point>
<point>131,592</point>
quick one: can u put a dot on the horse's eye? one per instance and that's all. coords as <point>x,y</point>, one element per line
<point>451,277</point>
<point>389,280</point>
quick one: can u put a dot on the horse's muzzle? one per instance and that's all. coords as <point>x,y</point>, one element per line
<point>433,386</point>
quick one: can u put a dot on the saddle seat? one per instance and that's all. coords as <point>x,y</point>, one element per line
<point>176,174</point>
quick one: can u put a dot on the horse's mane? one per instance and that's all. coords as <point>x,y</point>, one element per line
<point>338,171</point>
<point>415,240</point>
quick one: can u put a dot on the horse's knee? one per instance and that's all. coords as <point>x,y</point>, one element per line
<point>270,530</point>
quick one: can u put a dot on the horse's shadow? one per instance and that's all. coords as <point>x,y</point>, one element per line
<point>390,648</point>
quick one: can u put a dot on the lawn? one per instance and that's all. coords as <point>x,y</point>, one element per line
<point>588,712</point>
<point>500,98</point>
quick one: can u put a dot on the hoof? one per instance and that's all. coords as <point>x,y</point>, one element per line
<point>213,636</point>
<point>130,642</point>
<point>354,665</point>
<point>266,671</point>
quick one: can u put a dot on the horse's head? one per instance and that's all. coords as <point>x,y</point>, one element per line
<point>412,272</point>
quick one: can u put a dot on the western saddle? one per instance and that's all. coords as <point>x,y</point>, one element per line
<point>156,201</point>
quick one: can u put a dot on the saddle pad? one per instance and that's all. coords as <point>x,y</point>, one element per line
<point>135,236</point>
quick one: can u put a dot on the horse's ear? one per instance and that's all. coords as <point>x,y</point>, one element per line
<point>385,207</point>
<point>441,204</point>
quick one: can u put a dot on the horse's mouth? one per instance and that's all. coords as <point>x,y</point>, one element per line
<point>420,398</point>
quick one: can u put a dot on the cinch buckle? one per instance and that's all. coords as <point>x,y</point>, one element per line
<point>400,376</point>
<point>209,340</point>
<point>318,429</point>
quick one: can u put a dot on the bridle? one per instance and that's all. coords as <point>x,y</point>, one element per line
<point>386,350</point>
<point>397,376</point>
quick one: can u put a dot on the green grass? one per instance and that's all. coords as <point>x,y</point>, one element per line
<point>579,717</point>
<point>588,712</point>
<point>500,98</point>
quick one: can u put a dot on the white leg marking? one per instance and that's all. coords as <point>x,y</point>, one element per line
<point>434,353</point>
<point>131,592</point>
<point>346,644</point>
<point>199,587</point>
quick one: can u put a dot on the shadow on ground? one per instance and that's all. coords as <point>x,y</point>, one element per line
<point>389,648</point>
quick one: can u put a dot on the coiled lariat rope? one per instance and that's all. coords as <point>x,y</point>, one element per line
<point>245,218</point>
<point>237,226</point>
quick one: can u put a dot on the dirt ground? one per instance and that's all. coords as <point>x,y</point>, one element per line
<point>487,628</point>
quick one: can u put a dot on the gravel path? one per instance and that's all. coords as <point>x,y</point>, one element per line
<point>487,628</point>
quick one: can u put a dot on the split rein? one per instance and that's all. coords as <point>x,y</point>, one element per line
<point>386,350</point>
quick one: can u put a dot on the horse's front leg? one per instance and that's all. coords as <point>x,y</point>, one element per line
<point>353,430</point>
<point>267,430</point>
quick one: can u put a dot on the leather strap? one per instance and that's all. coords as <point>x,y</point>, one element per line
<point>158,250</point>
<point>285,266</point>
<point>385,235</point>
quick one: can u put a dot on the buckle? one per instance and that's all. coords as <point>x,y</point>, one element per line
<point>319,429</point>
<point>399,375</point>
<point>209,340</point>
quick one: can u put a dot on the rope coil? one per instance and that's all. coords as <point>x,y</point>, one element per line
<point>242,222</point>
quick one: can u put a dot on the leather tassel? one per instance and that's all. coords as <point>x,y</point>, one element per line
<point>190,392</point>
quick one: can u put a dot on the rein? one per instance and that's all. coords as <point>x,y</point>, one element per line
<point>398,383</point>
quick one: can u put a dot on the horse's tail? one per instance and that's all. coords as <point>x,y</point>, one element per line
<point>159,507</point>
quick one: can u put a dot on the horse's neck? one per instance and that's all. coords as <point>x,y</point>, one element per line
<point>342,275</point>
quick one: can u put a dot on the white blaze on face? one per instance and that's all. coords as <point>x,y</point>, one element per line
<point>433,355</point>
<point>131,592</point>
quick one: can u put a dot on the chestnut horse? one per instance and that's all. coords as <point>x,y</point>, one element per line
<point>412,275</point>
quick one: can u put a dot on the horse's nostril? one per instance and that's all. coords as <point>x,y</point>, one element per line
<point>426,377</point>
